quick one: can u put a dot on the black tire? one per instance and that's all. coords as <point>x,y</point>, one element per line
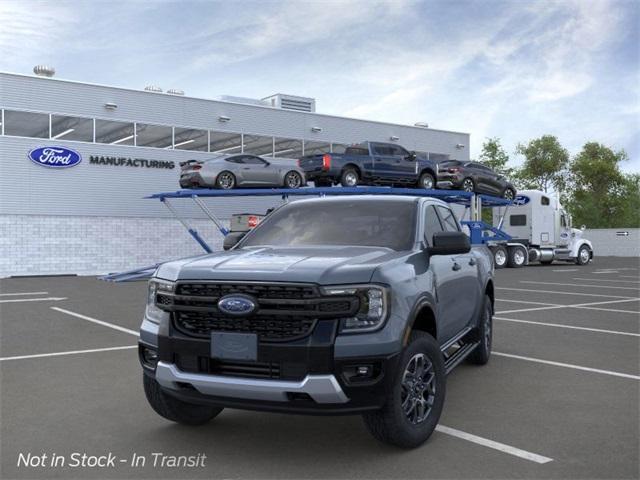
<point>584,255</point>
<point>508,194</point>
<point>349,177</point>
<point>427,181</point>
<point>293,180</point>
<point>391,424</point>
<point>468,185</point>
<point>500,256</point>
<point>176,410</point>
<point>517,257</point>
<point>225,180</point>
<point>484,334</point>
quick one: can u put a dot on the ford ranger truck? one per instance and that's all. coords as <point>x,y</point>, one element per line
<point>338,305</point>
<point>371,163</point>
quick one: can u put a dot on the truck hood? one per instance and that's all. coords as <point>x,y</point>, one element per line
<point>321,265</point>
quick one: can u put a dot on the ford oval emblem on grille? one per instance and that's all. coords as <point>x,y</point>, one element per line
<point>237,305</point>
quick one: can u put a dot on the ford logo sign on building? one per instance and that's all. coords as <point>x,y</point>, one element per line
<point>236,305</point>
<point>55,157</point>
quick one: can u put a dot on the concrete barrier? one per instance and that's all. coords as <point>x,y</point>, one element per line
<point>614,242</point>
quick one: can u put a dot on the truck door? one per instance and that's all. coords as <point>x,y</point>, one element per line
<point>404,168</point>
<point>455,276</point>
<point>565,230</point>
<point>383,160</point>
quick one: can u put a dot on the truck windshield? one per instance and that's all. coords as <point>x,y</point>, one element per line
<point>375,223</point>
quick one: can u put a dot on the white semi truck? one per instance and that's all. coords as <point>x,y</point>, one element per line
<point>540,231</point>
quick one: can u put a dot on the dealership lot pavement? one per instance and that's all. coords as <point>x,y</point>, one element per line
<point>560,397</point>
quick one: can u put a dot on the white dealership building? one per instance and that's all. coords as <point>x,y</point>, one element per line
<point>92,217</point>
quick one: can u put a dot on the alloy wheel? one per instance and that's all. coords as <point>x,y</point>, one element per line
<point>427,182</point>
<point>226,181</point>
<point>584,255</point>
<point>508,194</point>
<point>351,179</point>
<point>518,257</point>
<point>467,185</point>
<point>293,180</point>
<point>418,388</point>
<point>500,257</point>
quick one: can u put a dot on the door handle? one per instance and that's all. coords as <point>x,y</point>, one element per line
<point>456,266</point>
<point>472,262</point>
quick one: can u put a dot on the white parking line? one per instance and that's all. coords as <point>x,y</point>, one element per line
<point>604,280</point>
<point>567,270</point>
<point>23,293</point>
<point>567,365</point>
<point>572,327</point>
<point>561,293</point>
<point>628,276</point>
<point>529,302</point>
<point>581,285</point>
<point>588,306</point>
<point>72,352</point>
<point>96,321</point>
<point>633,312</point>
<point>485,442</point>
<point>48,299</point>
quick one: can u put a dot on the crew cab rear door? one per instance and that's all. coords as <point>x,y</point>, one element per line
<point>455,278</point>
<point>392,163</point>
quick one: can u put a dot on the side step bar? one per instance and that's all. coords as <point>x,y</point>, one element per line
<point>459,355</point>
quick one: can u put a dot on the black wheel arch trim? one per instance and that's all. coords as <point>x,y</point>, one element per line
<point>425,301</point>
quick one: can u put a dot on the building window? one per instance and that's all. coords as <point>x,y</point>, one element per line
<point>438,157</point>
<point>71,128</point>
<point>190,139</point>
<point>157,136</point>
<point>517,220</point>
<point>315,148</point>
<point>26,124</point>
<point>114,133</point>
<point>258,145</point>
<point>287,148</point>
<point>225,142</point>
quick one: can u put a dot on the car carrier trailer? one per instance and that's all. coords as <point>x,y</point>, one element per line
<point>506,250</point>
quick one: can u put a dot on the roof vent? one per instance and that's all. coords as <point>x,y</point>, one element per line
<point>153,88</point>
<point>292,102</point>
<point>44,71</point>
<point>175,91</point>
<point>421,124</point>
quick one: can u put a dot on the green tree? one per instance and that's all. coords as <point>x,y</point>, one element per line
<point>600,195</point>
<point>494,156</point>
<point>545,164</point>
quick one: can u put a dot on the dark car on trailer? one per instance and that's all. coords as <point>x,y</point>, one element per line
<point>474,177</point>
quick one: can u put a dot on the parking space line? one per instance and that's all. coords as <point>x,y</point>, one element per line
<point>485,442</point>
<point>22,293</point>
<point>47,299</point>
<point>578,305</point>
<point>71,352</point>
<point>610,310</point>
<point>563,293</point>
<point>604,280</point>
<point>96,321</point>
<point>568,365</point>
<point>572,327</point>
<point>567,270</point>
<point>529,302</point>
<point>628,276</point>
<point>582,285</point>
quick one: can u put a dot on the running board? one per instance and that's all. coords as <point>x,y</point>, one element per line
<point>459,355</point>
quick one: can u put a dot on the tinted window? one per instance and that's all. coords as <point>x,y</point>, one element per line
<point>449,222</point>
<point>157,136</point>
<point>26,124</point>
<point>71,128</point>
<point>544,200</point>
<point>346,222</point>
<point>431,224</point>
<point>398,151</point>
<point>356,151</point>
<point>382,150</point>
<point>518,220</point>
<point>114,132</point>
<point>238,159</point>
<point>253,160</point>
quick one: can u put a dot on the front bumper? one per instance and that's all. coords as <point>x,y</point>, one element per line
<point>301,376</point>
<point>449,181</point>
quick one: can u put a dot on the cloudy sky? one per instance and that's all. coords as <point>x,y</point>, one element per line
<point>514,69</point>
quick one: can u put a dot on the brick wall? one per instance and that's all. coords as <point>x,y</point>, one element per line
<point>45,245</point>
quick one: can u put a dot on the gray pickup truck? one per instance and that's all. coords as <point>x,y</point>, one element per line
<point>337,305</point>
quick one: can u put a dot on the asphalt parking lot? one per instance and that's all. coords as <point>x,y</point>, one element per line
<point>559,398</point>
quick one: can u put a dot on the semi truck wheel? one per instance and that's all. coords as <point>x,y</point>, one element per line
<point>415,401</point>
<point>500,256</point>
<point>584,255</point>
<point>176,410</point>
<point>517,257</point>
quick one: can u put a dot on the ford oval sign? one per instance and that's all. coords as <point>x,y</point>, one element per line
<point>237,305</point>
<point>55,157</point>
<point>521,200</point>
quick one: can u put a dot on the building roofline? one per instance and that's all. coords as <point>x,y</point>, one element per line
<point>231,103</point>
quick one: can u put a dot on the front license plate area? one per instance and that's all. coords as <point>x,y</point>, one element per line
<point>234,346</point>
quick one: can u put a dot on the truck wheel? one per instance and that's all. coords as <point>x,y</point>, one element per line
<point>349,178</point>
<point>176,410</point>
<point>427,181</point>
<point>517,257</point>
<point>293,179</point>
<point>414,403</point>
<point>226,180</point>
<point>468,185</point>
<point>482,352</point>
<point>499,256</point>
<point>584,255</point>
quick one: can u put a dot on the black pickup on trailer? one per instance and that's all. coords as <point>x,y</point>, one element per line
<point>371,163</point>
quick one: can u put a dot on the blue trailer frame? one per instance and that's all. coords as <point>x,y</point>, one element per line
<point>474,202</point>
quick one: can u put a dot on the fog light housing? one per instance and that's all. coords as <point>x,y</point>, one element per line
<point>149,357</point>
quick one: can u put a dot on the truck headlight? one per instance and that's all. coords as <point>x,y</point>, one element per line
<point>374,301</point>
<point>156,286</point>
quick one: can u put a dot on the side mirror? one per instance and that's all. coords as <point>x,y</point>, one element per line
<point>583,228</point>
<point>231,239</point>
<point>412,156</point>
<point>449,243</point>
